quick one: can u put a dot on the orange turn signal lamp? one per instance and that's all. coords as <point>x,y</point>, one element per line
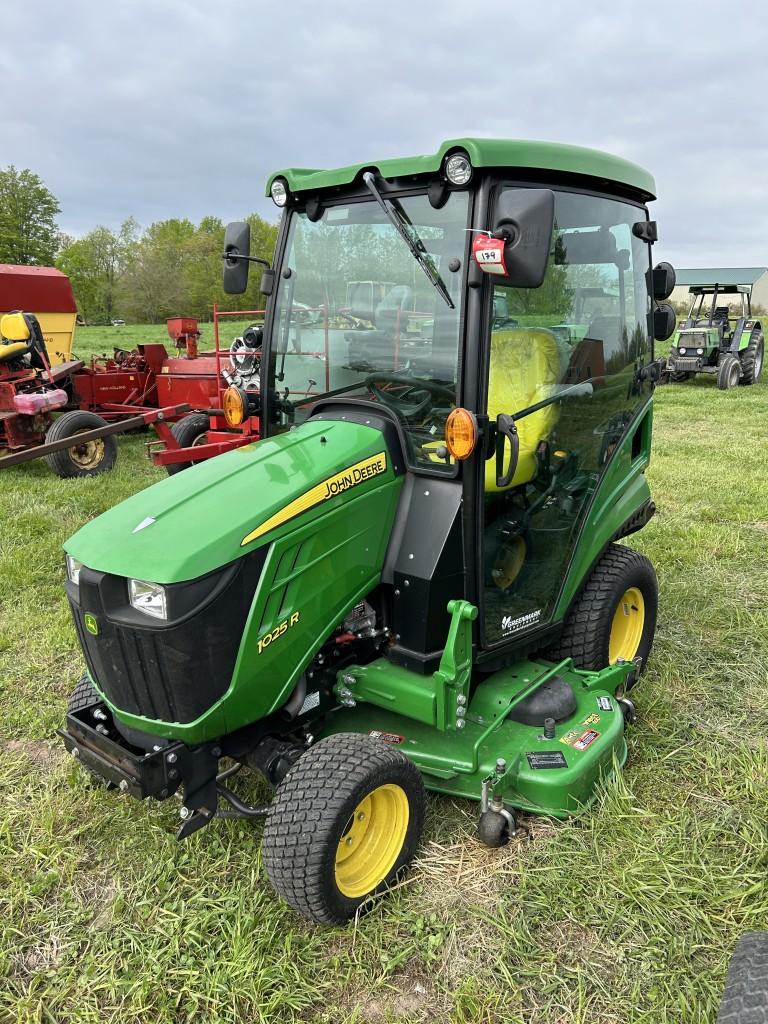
<point>235,406</point>
<point>461,433</point>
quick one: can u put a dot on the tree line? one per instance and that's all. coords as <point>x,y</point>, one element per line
<point>170,268</point>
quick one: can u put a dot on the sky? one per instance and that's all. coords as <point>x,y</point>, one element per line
<point>181,108</point>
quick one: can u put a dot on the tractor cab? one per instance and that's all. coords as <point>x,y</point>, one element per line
<point>413,324</point>
<point>717,338</point>
<point>413,579</point>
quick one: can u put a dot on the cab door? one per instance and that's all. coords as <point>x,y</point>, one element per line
<point>563,360</point>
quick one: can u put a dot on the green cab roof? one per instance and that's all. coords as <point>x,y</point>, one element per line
<point>512,154</point>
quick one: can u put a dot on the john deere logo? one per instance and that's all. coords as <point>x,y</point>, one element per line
<point>91,624</point>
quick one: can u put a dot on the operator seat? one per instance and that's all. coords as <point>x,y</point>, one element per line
<point>525,368</point>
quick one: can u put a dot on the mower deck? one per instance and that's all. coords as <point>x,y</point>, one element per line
<point>556,776</point>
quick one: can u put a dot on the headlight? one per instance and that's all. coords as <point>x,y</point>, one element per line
<point>147,597</point>
<point>279,192</point>
<point>458,169</point>
<point>699,351</point>
<point>73,569</point>
<point>682,351</point>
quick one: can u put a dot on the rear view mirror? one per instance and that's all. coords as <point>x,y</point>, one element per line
<point>237,244</point>
<point>664,280</point>
<point>664,322</point>
<point>525,218</point>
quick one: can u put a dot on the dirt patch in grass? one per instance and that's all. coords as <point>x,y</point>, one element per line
<point>42,754</point>
<point>41,959</point>
<point>408,996</point>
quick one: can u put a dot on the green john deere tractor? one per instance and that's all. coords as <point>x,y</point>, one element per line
<point>729,347</point>
<point>414,580</point>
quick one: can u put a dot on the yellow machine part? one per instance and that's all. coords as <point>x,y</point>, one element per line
<point>58,330</point>
<point>525,367</point>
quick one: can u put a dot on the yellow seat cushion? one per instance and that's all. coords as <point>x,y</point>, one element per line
<point>525,368</point>
<point>10,349</point>
<point>13,327</point>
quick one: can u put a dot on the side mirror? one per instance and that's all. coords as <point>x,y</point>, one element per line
<point>525,218</point>
<point>664,280</point>
<point>237,247</point>
<point>664,322</point>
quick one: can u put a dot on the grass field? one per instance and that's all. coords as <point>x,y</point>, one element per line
<point>97,341</point>
<point>627,915</point>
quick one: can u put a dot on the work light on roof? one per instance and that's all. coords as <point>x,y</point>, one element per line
<point>279,191</point>
<point>458,169</point>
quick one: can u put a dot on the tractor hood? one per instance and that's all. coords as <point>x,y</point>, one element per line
<point>207,516</point>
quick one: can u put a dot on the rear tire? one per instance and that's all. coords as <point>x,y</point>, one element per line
<point>344,824</point>
<point>83,460</point>
<point>728,372</point>
<point>745,1000</point>
<point>614,615</point>
<point>752,359</point>
<point>190,431</point>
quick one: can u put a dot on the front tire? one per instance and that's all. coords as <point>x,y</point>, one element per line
<point>190,431</point>
<point>752,359</point>
<point>85,696</point>
<point>745,1000</point>
<point>614,616</point>
<point>344,824</point>
<point>728,372</point>
<point>81,460</point>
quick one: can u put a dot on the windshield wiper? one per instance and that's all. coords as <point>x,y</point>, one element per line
<point>400,222</point>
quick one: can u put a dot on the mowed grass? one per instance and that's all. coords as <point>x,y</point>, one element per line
<point>627,915</point>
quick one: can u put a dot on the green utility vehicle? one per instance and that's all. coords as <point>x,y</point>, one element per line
<point>729,347</point>
<point>413,580</point>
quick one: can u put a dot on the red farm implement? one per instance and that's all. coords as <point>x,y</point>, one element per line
<point>212,429</point>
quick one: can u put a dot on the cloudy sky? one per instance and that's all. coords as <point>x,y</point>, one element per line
<point>161,108</point>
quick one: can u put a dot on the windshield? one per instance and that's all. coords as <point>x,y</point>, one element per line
<point>356,315</point>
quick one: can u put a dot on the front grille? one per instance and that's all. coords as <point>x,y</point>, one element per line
<point>173,672</point>
<point>685,363</point>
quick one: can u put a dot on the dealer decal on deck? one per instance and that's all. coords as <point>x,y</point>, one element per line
<point>328,488</point>
<point>386,737</point>
<point>585,740</point>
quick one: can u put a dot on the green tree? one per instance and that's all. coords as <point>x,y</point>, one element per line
<point>28,231</point>
<point>95,264</point>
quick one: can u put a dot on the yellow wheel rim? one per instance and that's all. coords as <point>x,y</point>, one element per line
<point>627,626</point>
<point>372,841</point>
<point>509,562</point>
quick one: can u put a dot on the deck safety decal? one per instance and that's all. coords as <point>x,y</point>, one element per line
<point>328,488</point>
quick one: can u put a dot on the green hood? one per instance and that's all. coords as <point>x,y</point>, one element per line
<point>196,521</point>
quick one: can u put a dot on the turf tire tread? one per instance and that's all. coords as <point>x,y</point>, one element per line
<point>745,1000</point>
<point>583,636</point>
<point>300,822</point>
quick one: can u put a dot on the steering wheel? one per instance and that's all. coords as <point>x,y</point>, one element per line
<point>413,386</point>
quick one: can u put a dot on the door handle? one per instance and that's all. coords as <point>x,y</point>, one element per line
<point>506,430</point>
